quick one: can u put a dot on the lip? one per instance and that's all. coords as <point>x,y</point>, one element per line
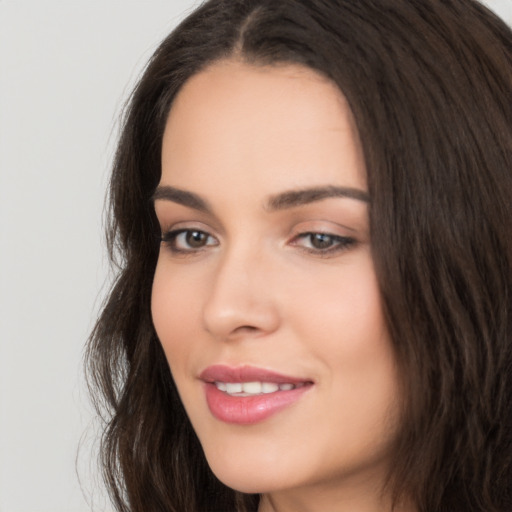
<point>248,410</point>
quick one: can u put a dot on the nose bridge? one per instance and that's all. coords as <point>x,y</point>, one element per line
<point>240,298</point>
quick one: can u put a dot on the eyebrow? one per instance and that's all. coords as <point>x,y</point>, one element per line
<point>301,197</point>
<point>282,201</point>
<point>176,195</point>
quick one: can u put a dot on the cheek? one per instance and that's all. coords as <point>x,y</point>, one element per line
<point>343,325</point>
<point>173,309</point>
<point>344,311</point>
<point>331,323</point>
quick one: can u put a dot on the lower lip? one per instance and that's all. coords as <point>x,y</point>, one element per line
<point>247,410</point>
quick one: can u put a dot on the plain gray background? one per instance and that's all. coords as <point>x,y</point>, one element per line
<point>65,69</point>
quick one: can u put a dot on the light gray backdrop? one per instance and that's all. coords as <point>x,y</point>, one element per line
<point>65,69</point>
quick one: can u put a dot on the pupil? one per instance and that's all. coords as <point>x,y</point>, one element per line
<point>195,238</point>
<point>320,241</point>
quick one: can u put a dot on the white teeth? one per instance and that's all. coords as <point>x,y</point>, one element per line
<point>233,387</point>
<point>253,388</point>
<point>269,387</point>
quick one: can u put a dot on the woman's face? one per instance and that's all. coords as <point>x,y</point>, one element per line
<point>265,298</point>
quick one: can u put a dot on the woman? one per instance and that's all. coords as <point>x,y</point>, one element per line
<point>311,207</point>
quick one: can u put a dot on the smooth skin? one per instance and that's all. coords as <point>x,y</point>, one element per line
<point>249,276</point>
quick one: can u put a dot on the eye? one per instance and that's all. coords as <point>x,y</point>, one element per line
<point>188,240</point>
<point>323,243</point>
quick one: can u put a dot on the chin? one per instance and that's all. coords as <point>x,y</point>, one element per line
<point>249,482</point>
<point>252,474</point>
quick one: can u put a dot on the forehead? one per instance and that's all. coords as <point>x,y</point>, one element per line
<point>269,122</point>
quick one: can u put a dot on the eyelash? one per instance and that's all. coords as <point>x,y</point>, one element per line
<point>336,243</point>
<point>170,240</point>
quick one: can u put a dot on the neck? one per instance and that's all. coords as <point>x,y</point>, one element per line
<point>335,498</point>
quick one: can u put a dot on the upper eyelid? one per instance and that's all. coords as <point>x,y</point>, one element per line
<point>169,237</point>
<point>165,213</point>
<point>169,223</point>
<point>176,228</point>
<point>302,228</point>
<point>300,209</point>
<point>325,227</point>
<point>178,231</point>
<point>167,226</point>
<point>334,236</point>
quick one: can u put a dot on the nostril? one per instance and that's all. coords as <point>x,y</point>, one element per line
<point>245,329</point>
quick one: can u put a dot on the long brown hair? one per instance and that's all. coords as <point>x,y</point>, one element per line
<point>430,86</point>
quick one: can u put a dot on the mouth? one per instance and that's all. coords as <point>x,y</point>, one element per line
<point>254,388</point>
<point>247,395</point>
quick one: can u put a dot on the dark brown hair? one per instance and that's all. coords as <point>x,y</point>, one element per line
<point>430,86</point>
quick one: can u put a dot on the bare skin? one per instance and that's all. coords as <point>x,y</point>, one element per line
<point>266,262</point>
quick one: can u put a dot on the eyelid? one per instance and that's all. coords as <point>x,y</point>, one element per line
<point>169,236</point>
<point>343,237</point>
<point>339,244</point>
<point>169,224</point>
<point>326,227</point>
<point>173,233</point>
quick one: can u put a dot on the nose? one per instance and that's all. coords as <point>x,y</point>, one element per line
<point>241,302</point>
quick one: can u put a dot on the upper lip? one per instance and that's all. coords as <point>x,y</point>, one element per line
<point>224,373</point>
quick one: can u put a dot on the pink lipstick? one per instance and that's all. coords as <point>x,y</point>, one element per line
<point>246,395</point>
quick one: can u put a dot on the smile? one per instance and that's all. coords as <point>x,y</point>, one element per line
<point>248,395</point>
<point>254,388</point>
